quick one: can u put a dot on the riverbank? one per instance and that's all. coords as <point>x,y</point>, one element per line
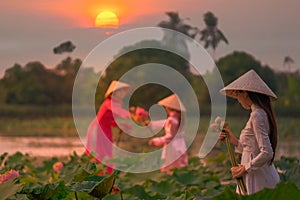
<point>64,126</point>
<point>46,147</point>
<point>57,136</point>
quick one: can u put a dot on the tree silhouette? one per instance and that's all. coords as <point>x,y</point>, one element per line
<point>174,40</point>
<point>287,62</point>
<point>211,35</point>
<point>178,24</point>
<point>33,84</point>
<point>64,47</point>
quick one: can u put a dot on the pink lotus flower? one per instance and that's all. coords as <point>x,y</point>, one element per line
<point>218,120</point>
<point>218,125</point>
<point>214,127</point>
<point>141,113</point>
<point>9,175</point>
<point>115,190</point>
<point>101,173</point>
<point>58,166</point>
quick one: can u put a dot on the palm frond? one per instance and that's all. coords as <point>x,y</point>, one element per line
<point>222,36</point>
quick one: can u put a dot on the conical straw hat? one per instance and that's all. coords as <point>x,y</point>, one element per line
<point>115,85</point>
<point>249,81</point>
<point>172,102</point>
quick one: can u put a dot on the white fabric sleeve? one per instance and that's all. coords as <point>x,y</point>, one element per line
<point>260,129</point>
<point>159,124</point>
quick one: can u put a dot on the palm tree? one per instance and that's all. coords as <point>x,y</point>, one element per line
<point>178,24</point>
<point>287,62</point>
<point>173,40</point>
<point>211,35</point>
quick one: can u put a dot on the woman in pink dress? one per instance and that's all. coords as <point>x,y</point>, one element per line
<point>99,135</point>
<point>258,140</point>
<point>174,148</point>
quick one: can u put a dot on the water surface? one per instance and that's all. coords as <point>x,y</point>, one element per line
<point>64,146</point>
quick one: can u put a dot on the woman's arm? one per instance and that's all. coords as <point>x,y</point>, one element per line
<point>158,124</point>
<point>260,128</point>
<point>172,125</point>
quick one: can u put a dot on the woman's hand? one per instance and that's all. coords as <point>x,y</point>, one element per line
<point>238,171</point>
<point>145,122</point>
<point>156,142</point>
<point>232,139</point>
<point>150,142</point>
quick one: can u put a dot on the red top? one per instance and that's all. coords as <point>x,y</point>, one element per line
<point>99,136</point>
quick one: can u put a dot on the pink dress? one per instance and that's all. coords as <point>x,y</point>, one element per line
<point>174,150</point>
<point>99,135</point>
<point>256,150</point>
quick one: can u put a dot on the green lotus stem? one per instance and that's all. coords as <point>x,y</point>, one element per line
<point>76,197</point>
<point>119,137</point>
<point>240,181</point>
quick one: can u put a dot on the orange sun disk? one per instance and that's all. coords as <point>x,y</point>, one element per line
<point>107,19</point>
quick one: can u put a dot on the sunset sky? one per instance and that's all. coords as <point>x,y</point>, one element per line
<point>269,29</point>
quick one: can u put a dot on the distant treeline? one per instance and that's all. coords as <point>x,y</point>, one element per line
<point>36,85</point>
<point>33,84</point>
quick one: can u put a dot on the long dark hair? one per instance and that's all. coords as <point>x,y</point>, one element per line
<point>264,102</point>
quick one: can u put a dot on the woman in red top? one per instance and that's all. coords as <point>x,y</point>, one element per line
<point>99,136</point>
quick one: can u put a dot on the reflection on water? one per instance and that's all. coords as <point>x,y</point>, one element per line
<point>42,146</point>
<point>60,146</point>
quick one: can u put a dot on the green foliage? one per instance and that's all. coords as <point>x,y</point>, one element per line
<point>281,192</point>
<point>41,126</point>
<point>64,126</point>
<point>95,186</point>
<point>79,175</point>
<point>238,63</point>
<point>138,57</point>
<point>288,127</point>
<point>290,93</point>
<point>35,111</point>
<point>55,190</point>
<point>289,169</point>
<point>285,85</point>
<point>9,188</point>
<point>79,178</point>
<point>34,84</point>
<point>18,161</point>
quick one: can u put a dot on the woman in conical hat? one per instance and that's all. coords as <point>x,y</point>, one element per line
<point>174,147</point>
<point>99,136</point>
<point>258,140</point>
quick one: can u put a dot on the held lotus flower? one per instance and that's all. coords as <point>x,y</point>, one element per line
<point>141,112</point>
<point>214,127</point>
<point>115,190</point>
<point>139,115</point>
<point>218,127</point>
<point>218,120</point>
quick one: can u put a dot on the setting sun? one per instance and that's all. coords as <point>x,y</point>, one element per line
<point>107,19</point>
